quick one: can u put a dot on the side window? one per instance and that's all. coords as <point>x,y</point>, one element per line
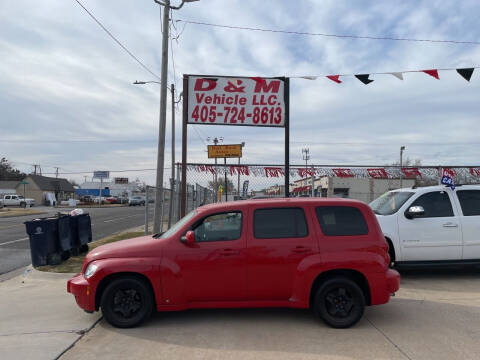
<point>341,221</point>
<point>219,227</point>
<point>277,223</point>
<point>469,201</point>
<point>435,204</point>
<point>7,197</point>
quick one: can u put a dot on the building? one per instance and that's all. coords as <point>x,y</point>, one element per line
<point>113,188</point>
<point>46,190</point>
<point>362,189</point>
<point>8,187</point>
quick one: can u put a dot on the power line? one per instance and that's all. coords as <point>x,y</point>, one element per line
<point>387,38</point>
<point>116,40</point>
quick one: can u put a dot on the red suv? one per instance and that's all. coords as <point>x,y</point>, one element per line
<point>326,254</point>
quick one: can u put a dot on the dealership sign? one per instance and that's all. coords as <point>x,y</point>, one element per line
<point>225,151</point>
<point>247,101</point>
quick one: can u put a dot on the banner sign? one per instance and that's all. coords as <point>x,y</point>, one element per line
<point>101,174</point>
<point>225,151</point>
<point>245,189</point>
<point>247,101</point>
<point>448,178</point>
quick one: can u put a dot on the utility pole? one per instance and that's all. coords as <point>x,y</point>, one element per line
<point>56,172</point>
<point>215,142</point>
<point>238,184</point>
<point>401,164</point>
<point>163,113</point>
<point>306,157</point>
<point>35,169</point>
<point>85,178</point>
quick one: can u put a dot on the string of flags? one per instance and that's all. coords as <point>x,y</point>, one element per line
<point>465,73</point>
<point>386,172</point>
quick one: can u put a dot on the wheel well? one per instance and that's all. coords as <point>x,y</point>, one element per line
<point>354,275</point>
<point>391,249</point>
<point>109,278</point>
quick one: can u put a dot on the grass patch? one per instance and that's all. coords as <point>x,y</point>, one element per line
<point>74,263</point>
<point>8,212</point>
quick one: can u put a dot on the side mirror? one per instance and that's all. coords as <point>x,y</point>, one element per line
<point>189,238</point>
<point>414,211</point>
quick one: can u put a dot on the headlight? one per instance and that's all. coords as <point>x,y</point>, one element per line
<point>90,270</point>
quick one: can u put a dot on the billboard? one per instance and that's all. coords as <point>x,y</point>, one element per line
<point>247,101</point>
<point>101,174</point>
<point>225,151</point>
<point>120,180</point>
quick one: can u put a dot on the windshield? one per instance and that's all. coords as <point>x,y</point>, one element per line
<point>390,202</point>
<point>178,225</point>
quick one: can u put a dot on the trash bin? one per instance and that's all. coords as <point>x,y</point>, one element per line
<point>43,234</point>
<point>64,236</point>
<point>81,233</point>
<point>84,231</point>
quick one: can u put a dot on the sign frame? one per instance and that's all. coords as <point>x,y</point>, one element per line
<point>286,127</point>
<point>101,174</point>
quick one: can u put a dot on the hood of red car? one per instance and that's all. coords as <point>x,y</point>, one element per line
<point>144,246</point>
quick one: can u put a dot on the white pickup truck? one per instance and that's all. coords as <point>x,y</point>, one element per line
<point>16,200</point>
<point>432,225</point>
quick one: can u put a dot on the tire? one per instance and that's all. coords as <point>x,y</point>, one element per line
<point>134,302</point>
<point>339,302</point>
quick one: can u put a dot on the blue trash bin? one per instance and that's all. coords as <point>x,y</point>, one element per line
<point>64,236</point>
<point>43,234</point>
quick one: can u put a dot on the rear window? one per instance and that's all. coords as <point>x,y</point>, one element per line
<point>470,202</point>
<point>341,221</point>
<point>279,223</point>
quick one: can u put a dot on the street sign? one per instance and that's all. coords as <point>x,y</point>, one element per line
<point>101,174</point>
<point>247,101</point>
<point>225,151</point>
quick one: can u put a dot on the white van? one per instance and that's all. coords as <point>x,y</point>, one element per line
<point>432,225</point>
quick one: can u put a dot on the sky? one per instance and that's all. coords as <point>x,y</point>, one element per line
<point>67,98</point>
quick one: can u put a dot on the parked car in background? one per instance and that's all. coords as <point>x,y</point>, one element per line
<point>326,254</point>
<point>111,200</point>
<point>432,225</point>
<point>16,200</point>
<point>136,200</point>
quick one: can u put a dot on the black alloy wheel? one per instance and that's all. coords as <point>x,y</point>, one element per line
<point>127,302</point>
<point>339,302</point>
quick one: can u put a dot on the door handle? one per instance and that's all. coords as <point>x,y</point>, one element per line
<point>229,252</point>
<point>449,224</point>
<point>300,249</point>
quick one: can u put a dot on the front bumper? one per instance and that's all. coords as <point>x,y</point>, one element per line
<point>84,294</point>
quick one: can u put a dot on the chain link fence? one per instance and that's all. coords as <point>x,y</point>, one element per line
<point>210,183</point>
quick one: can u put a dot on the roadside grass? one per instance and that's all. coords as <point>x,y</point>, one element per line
<point>74,263</point>
<point>9,212</point>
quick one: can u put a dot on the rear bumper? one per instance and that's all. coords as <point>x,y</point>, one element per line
<point>393,281</point>
<point>84,295</point>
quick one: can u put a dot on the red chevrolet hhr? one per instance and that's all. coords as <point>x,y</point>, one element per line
<point>326,254</point>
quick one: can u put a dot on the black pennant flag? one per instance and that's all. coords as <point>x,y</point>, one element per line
<point>466,73</point>
<point>364,78</point>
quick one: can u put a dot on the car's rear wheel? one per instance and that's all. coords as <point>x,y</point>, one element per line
<point>127,302</point>
<point>339,302</point>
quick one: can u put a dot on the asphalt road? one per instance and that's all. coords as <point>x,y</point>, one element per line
<point>14,243</point>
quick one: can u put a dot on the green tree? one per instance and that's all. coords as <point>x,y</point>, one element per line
<point>8,171</point>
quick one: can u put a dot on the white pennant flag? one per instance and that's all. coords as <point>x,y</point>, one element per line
<point>398,75</point>
<point>309,77</point>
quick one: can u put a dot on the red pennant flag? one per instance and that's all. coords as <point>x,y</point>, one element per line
<point>432,72</point>
<point>475,171</point>
<point>335,78</point>
<point>343,173</point>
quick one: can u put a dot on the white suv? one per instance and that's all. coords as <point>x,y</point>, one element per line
<point>431,225</point>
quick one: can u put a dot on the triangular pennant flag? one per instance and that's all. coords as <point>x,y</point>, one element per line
<point>398,75</point>
<point>432,72</point>
<point>466,73</point>
<point>364,78</point>
<point>309,77</point>
<point>335,78</point>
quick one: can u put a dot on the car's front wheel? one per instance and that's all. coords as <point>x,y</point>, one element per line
<point>339,302</point>
<point>127,302</point>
